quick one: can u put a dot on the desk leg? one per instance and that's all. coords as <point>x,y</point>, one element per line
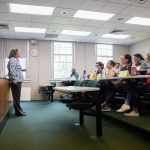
<point>98,115</point>
<point>81,116</point>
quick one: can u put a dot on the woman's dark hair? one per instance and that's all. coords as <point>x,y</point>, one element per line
<point>113,63</point>
<point>139,56</point>
<point>13,53</point>
<point>128,57</point>
<point>100,64</point>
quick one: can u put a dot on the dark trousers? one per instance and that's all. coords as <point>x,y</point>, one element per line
<point>128,88</point>
<point>16,93</point>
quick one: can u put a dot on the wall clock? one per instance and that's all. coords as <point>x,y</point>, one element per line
<point>34,52</point>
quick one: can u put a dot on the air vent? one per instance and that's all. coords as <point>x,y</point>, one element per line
<point>116,31</point>
<point>4,26</point>
<point>51,35</point>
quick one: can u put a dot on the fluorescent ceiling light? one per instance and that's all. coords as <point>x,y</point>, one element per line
<point>78,33</point>
<point>92,15</point>
<point>116,36</point>
<point>139,21</point>
<point>31,9</point>
<point>30,30</point>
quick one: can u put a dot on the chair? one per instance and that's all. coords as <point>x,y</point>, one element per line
<point>50,91</point>
<point>85,100</point>
<point>71,97</point>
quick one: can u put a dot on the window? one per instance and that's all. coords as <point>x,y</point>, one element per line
<point>63,59</point>
<point>22,63</point>
<point>104,53</point>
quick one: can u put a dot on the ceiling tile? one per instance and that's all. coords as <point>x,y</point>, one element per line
<point>92,5</point>
<point>56,26</point>
<point>89,29</point>
<point>103,30</point>
<point>59,20</point>
<point>4,7</point>
<point>119,18</point>
<point>29,2</point>
<point>94,23</point>
<point>111,25</point>
<point>39,25</point>
<point>63,27</point>
<point>133,3</point>
<point>77,21</point>
<point>52,3</point>
<point>20,24</point>
<point>5,21</point>
<point>37,18</point>
<point>113,8</point>
<point>2,1</point>
<point>5,16</point>
<point>140,28</point>
<point>132,11</point>
<point>124,26</point>
<point>74,4</point>
<point>58,11</point>
<point>20,17</point>
<point>145,14</point>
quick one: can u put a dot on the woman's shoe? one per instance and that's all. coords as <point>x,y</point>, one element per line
<point>21,114</point>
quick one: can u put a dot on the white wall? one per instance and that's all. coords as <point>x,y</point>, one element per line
<point>141,47</point>
<point>40,67</point>
<point>120,50</point>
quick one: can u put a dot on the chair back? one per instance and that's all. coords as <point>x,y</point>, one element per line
<point>91,83</point>
<point>78,83</point>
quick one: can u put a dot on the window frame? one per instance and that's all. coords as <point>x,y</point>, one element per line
<point>52,57</point>
<point>106,56</point>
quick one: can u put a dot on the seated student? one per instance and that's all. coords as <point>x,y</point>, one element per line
<point>147,59</point>
<point>109,72</point>
<point>141,89</point>
<point>74,74</point>
<point>117,68</point>
<point>128,86</point>
<point>99,69</point>
<point>140,63</point>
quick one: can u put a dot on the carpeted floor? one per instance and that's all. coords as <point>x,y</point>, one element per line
<point>50,126</point>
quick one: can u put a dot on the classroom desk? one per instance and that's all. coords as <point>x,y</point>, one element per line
<point>130,77</point>
<point>79,89</point>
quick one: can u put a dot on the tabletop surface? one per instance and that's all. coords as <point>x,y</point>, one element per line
<point>110,78</point>
<point>76,89</point>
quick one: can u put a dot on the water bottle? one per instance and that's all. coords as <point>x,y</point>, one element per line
<point>133,70</point>
<point>84,74</point>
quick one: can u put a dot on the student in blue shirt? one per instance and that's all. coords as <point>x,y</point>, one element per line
<point>140,63</point>
<point>74,74</point>
<point>16,78</point>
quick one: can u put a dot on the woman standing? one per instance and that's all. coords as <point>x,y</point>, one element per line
<point>16,78</point>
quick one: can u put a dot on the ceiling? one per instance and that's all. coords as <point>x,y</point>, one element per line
<point>54,24</point>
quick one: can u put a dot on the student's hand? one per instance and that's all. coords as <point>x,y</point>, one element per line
<point>14,82</point>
